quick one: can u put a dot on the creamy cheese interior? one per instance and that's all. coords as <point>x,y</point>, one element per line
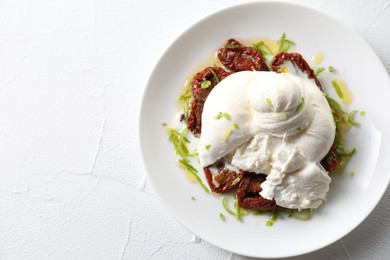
<point>280,125</point>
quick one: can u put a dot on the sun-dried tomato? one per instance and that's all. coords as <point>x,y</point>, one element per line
<point>330,160</point>
<point>238,57</point>
<point>248,193</point>
<point>225,178</point>
<point>298,61</point>
<point>212,74</point>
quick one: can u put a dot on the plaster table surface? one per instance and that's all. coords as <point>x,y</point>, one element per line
<point>72,181</point>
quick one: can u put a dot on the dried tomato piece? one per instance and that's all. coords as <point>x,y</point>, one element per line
<point>194,122</point>
<point>226,179</point>
<point>211,74</point>
<point>238,57</point>
<point>330,160</point>
<point>208,78</point>
<point>248,193</point>
<point>298,61</point>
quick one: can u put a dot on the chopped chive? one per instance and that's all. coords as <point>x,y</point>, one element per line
<point>284,44</point>
<point>207,146</point>
<point>258,212</point>
<point>217,79</point>
<point>269,102</point>
<point>346,152</point>
<point>350,118</point>
<point>231,46</point>
<point>221,217</point>
<point>318,71</point>
<point>205,84</point>
<point>179,141</point>
<point>240,212</point>
<point>301,102</point>
<point>184,164</point>
<point>262,48</point>
<point>235,125</point>
<point>193,198</point>
<point>226,115</point>
<point>337,89</point>
<point>272,220</point>
<point>164,124</point>
<point>331,68</point>
<point>237,180</point>
<point>226,206</point>
<point>227,134</point>
<point>352,173</point>
<point>362,113</point>
<point>187,92</point>
<point>220,115</point>
<point>301,215</point>
<point>193,154</point>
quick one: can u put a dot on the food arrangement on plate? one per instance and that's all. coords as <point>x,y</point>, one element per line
<point>261,126</point>
<point>259,113</point>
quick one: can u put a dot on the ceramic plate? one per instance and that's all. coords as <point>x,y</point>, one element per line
<point>350,199</point>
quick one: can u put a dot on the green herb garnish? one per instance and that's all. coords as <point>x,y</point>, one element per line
<point>300,104</point>
<point>258,212</point>
<point>319,70</point>
<point>226,206</point>
<point>274,217</point>
<point>235,125</point>
<point>284,43</point>
<point>262,48</point>
<point>341,119</point>
<point>350,118</point>
<point>331,69</point>
<point>238,212</point>
<point>269,102</point>
<point>208,147</point>
<point>345,152</point>
<point>180,142</point>
<point>225,115</point>
<point>186,93</point>
<point>205,84</point>
<point>301,215</point>
<point>226,134</point>
<point>231,46</point>
<point>217,79</point>
<point>221,217</point>
<point>237,180</point>
<point>337,89</point>
<point>185,165</point>
<point>193,198</point>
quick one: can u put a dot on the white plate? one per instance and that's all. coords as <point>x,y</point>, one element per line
<point>350,199</point>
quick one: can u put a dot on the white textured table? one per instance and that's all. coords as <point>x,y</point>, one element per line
<point>72,182</point>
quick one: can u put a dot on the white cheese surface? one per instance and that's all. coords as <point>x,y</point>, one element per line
<point>277,124</point>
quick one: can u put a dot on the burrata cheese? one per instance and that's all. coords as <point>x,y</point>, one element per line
<point>276,124</point>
